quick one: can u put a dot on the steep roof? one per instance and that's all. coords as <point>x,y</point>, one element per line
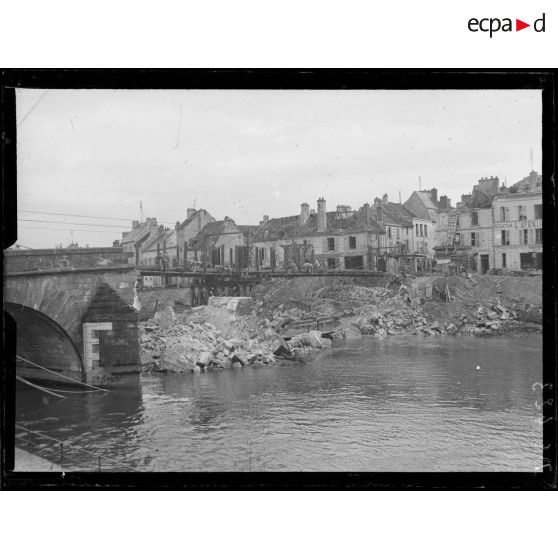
<point>141,232</point>
<point>168,236</point>
<point>397,214</point>
<point>426,199</point>
<point>188,220</point>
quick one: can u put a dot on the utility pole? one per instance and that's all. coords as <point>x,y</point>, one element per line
<point>531,159</point>
<point>141,211</point>
<point>420,184</point>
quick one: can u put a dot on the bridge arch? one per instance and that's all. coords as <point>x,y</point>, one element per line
<point>43,341</point>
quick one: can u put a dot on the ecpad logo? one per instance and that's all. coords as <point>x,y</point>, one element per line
<point>493,25</point>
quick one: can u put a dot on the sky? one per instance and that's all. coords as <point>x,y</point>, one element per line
<point>245,154</point>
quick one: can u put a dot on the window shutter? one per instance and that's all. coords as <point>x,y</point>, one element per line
<point>531,235</point>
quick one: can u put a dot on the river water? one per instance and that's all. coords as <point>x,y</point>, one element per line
<point>373,404</point>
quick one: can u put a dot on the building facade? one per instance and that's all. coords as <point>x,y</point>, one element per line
<point>500,228</point>
<point>475,232</point>
<point>518,230</point>
<point>340,239</point>
<point>220,244</point>
<point>133,241</point>
<point>187,230</point>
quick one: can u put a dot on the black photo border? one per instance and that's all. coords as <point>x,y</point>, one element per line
<point>332,79</point>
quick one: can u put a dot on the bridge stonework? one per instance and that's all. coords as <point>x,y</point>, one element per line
<point>51,308</point>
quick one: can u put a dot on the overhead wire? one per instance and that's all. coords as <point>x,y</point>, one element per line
<point>85,216</point>
<point>27,227</point>
<point>71,223</point>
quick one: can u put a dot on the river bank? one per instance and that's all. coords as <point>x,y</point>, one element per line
<point>282,322</point>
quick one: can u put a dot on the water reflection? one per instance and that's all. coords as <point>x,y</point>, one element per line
<point>411,404</point>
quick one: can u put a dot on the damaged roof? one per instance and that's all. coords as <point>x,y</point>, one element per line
<point>397,214</point>
<point>336,222</point>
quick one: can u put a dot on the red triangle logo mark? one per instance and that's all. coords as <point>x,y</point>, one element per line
<point>519,25</point>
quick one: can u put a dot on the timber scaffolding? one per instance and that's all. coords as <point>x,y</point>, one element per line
<point>255,276</point>
<point>204,284</point>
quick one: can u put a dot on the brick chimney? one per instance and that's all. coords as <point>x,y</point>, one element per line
<point>385,199</point>
<point>190,212</point>
<point>367,215</point>
<point>434,195</point>
<point>377,202</point>
<point>380,215</point>
<point>304,213</point>
<point>321,224</point>
<point>135,224</point>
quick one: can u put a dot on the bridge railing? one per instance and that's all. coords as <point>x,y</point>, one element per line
<point>68,456</point>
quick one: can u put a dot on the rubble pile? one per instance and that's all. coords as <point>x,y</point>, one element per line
<point>240,331</point>
<point>452,307</point>
<point>188,343</point>
<point>351,293</point>
<point>195,347</point>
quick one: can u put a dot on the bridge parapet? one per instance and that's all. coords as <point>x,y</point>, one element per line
<point>72,299</point>
<point>64,258</point>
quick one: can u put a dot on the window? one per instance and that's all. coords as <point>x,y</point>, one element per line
<point>524,236</point>
<point>538,236</point>
<point>352,242</point>
<point>474,218</point>
<point>504,261</point>
<point>538,211</point>
<point>504,214</point>
<point>522,212</point>
<point>417,232</point>
<point>474,239</point>
<point>397,232</point>
<point>231,257</point>
<point>95,348</point>
<point>421,231</point>
<point>331,244</point>
<point>425,231</point>
<point>331,263</point>
<point>389,232</point>
<point>505,238</point>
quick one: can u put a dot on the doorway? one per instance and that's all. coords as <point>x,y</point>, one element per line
<point>484,263</point>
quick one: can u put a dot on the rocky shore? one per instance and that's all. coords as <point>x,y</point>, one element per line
<point>273,327</point>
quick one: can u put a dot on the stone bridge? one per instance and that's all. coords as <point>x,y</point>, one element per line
<point>77,321</point>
